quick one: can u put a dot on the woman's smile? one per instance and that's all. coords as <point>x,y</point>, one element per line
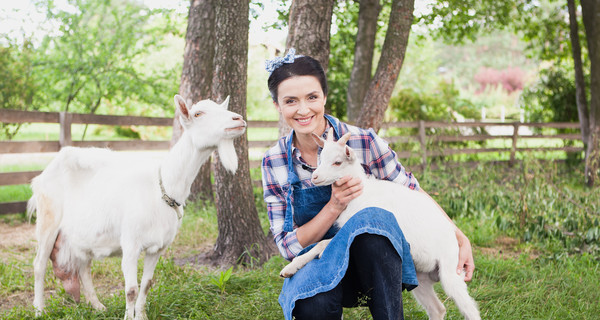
<point>305,121</point>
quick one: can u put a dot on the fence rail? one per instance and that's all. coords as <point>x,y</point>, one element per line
<point>65,120</point>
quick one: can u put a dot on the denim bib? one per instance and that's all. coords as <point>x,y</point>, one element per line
<point>308,202</point>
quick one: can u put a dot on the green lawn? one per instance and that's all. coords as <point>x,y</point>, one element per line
<point>532,226</point>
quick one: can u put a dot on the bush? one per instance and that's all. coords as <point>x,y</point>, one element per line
<point>443,104</point>
<point>553,98</point>
<point>510,79</point>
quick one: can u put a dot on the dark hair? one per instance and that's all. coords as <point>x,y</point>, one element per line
<point>302,66</point>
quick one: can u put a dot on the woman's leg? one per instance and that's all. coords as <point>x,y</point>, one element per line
<point>377,268</point>
<point>323,306</point>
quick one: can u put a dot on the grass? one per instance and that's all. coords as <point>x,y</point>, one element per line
<point>528,225</point>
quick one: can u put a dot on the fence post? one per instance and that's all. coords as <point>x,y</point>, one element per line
<point>513,149</point>
<point>65,120</point>
<point>423,141</point>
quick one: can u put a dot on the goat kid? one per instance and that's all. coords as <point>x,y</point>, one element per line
<point>433,243</point>
<point>94,203</point>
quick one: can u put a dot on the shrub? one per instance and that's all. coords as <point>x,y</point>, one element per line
<point>443,104</point>
<point>510,79</point>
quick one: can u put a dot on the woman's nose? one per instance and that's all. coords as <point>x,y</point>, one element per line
<point>302,107</point>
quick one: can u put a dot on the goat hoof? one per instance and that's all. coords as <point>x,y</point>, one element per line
<point>99,307</point>
<point>288,272</point>
<point>141,316</point>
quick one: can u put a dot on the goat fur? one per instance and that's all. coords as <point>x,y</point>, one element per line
<point>431,235</point>
<point>106,204</point>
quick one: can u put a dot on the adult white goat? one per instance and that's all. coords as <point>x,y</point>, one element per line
<point>103,204</point>
<point>433,243</point>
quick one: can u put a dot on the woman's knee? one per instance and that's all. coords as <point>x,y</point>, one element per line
<point>326,305</point>
<point>372,245</point>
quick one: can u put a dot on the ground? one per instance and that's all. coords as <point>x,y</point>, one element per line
<point>17,243</point>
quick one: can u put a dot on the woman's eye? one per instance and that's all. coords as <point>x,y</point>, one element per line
<point>289,101</point>
<point>198,114</point>
<point>312,98</point>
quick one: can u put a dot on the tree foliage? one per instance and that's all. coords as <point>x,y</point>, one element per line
<point>96,55</point>
<point>18,89</point>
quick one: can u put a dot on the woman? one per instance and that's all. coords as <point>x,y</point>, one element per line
<point>365,266</point>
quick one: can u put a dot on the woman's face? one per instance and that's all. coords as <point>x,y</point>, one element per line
<point>301,102</point>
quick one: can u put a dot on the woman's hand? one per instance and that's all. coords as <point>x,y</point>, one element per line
<point>465,256</point>
<point>343,191</point>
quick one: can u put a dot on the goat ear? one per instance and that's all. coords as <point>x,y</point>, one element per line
<point>225,103</point>
<point>350,154</point>
<point>181,105</point>
<point>330,135</point>
<point>344,138</point>
<point>320,141</point>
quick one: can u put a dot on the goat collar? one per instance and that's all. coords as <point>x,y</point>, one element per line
<point>170,201</point>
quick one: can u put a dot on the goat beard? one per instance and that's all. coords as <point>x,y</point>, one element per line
<point>227,155</point>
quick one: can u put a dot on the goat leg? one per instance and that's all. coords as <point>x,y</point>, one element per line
<point>69,278</point>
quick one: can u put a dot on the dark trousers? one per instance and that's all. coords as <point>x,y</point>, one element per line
<point>373,278</point>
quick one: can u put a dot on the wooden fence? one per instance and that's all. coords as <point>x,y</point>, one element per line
<point>422,139</point>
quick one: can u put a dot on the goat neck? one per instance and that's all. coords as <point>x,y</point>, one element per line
<point>181,165</point>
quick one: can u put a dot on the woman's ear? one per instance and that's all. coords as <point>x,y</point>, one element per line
<point>277,106</point>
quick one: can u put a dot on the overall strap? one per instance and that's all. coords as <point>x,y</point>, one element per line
<point>293,181</point>
<point>337,129</point>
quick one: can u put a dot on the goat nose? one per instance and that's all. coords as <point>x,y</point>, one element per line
<point>237,117</point>
<point>315,177</point>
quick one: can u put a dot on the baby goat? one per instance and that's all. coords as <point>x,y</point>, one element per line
<point>96,203</point>
<point>433,243</point>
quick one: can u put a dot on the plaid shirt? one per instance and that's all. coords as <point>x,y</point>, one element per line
<point>376,156</point>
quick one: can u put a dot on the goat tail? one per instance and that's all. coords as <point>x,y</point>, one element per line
<point>455,287</point>
<point>32,203</point>
<point>31,207</point>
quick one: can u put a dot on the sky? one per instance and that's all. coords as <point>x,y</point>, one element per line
<point>18,17</point>
<point>23,15</point>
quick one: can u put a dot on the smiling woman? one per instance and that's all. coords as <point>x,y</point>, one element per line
<point>371,257</point>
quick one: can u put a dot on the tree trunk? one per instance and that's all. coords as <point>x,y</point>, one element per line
<point>241,238</point>
<point>581,99</point>
<point>309,29</point>
<point>196,78</point>
<point>591,19</point>
<point>380,90</point>
<point>363,57</point>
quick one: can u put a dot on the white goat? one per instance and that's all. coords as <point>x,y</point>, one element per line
<point>102,205</point>
<point>433,243</point>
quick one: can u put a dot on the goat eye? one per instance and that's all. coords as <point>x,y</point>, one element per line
<point>198,114</point>
<point>337,163</point>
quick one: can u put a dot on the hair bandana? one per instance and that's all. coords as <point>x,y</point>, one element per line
<point>271,65</point>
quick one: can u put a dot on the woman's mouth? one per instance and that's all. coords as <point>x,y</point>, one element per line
<point>304,121</point>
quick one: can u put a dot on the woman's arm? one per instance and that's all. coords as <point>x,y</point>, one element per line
<point>465,252</point>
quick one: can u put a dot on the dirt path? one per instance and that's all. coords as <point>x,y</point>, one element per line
<point>17,250</point>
